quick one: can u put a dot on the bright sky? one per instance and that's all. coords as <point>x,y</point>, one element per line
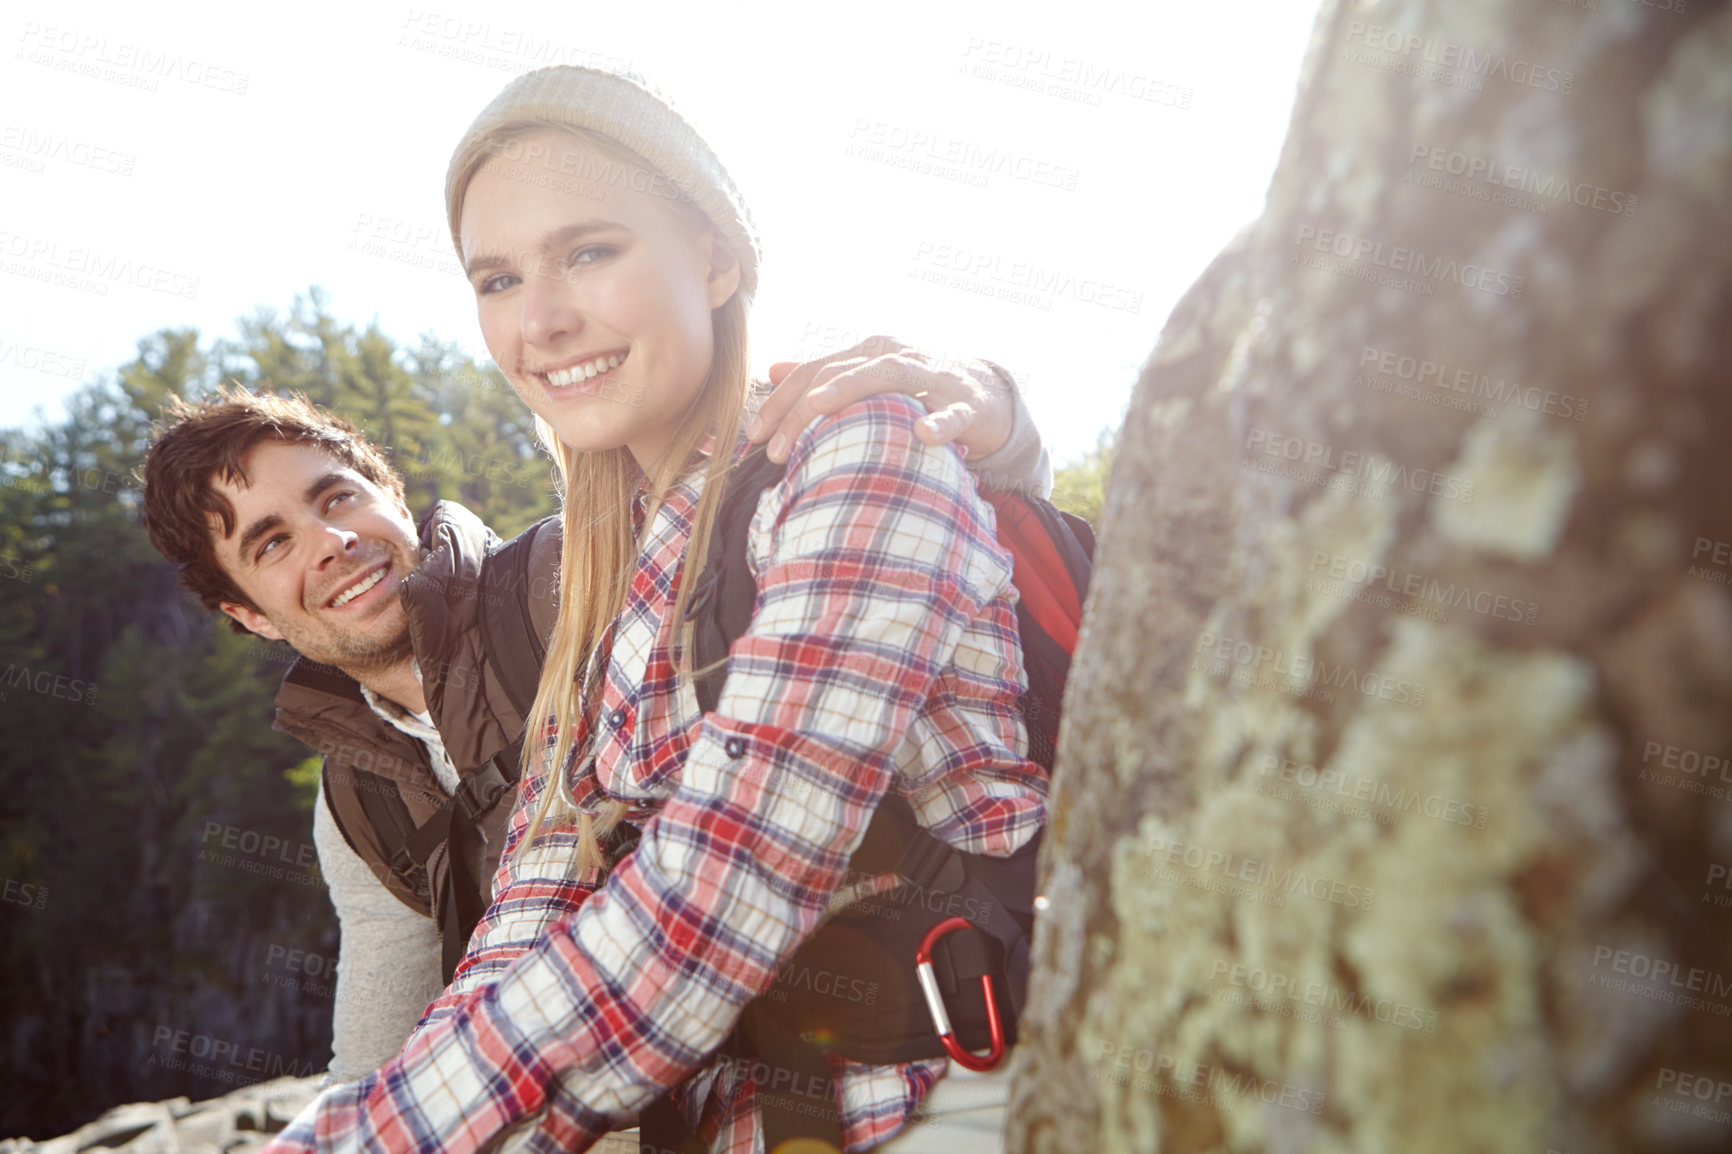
<point>1032,183</point>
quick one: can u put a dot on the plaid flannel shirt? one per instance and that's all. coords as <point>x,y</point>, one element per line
<point>883,653</point>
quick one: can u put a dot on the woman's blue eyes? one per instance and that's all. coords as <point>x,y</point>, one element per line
<point>588,254</point>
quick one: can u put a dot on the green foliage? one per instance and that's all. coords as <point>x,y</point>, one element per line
<point>132,725</point>
<point>304,780</point>
<point>1080,486</point>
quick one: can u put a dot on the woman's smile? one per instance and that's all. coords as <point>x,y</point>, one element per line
<point>585,369</point>
<point>582,376</point>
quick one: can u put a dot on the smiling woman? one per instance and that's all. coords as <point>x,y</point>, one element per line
<point>634,275</point>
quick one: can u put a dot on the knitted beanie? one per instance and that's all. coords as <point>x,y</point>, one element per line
<point>624,108</point>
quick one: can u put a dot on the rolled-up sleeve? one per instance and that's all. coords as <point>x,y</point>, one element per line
<point>1021,464</point>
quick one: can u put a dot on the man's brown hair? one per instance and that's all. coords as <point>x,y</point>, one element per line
<point>196,444</point>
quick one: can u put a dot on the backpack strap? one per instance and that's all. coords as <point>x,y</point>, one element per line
<point>514,647</point>
<point>515,650</point>
<point>1052,553</point>
<point>727,593</point>
<point>394,828</point>
<point>457,826</point>
<point>482,789</point>
<point>378,810</point>
<point>409,848</point>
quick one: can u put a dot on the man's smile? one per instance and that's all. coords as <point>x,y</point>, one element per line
<point>356,587</point>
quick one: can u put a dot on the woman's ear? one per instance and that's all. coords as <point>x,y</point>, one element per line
<point>723,280</point>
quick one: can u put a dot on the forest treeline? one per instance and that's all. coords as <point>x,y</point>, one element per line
<point>165,928</point>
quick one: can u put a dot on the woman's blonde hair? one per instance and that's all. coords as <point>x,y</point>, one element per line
<point>600,548</point>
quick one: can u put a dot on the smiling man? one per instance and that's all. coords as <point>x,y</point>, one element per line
<point>341,609</point>
<point>416,641</point>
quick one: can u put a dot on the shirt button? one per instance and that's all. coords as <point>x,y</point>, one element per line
<point>735,747</point>
<point>616,718</point>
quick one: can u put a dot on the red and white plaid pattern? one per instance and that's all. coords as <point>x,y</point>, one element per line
<point>883,654</point>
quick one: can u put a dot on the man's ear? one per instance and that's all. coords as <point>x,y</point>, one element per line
<point>252,620</point>
<point>724,279</point>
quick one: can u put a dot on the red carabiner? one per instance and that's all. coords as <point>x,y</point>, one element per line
<point>935,1002</point>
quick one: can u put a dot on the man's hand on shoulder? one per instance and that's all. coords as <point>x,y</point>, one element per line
<point>970,403</point>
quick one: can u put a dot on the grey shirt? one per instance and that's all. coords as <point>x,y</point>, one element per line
<point>388,958</point>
